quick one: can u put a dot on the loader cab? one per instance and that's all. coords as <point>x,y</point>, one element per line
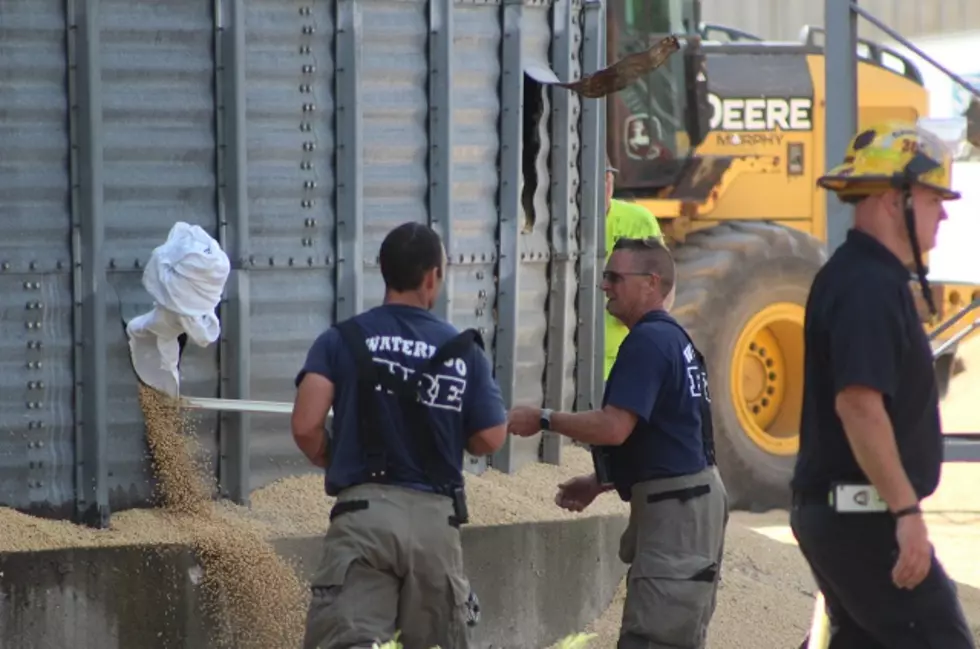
<point>653,124</point>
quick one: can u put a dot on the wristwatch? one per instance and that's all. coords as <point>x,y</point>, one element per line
<point>545,420</point>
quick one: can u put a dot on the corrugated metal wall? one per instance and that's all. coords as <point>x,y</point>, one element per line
<point>783,19</point>
<point>297,133</point>
<point>37,424</point>
<point>292,252</point>
<point>158,168</point>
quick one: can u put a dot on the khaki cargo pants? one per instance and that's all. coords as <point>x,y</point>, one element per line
<point>391,562</point>
<point>674,543</point>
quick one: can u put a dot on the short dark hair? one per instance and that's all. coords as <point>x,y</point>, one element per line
<point>654,257</point>
<point>407,253</point>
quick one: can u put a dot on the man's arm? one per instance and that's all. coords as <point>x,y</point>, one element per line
<point>866,344</point>
<point>314,399</point>
<point>872,439</point>
<point>610,426</point>
<point>632,392</point>
<point>485,416</point>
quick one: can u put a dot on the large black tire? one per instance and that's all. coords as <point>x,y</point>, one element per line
<point>725,276</point>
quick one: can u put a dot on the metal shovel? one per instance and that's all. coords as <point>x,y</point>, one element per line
<point>210,403</point>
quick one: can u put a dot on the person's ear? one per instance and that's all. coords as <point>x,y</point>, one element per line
<point>432,278</point>
<point>654,282</point>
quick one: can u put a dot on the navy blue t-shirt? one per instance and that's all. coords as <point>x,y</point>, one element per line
<point>656,377</point>
<point>462,397</point>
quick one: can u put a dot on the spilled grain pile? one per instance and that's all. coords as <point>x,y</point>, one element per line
<point>255,597</point>
<point>297,506</point>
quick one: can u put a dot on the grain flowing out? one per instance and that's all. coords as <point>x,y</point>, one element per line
<point>181,486</point>
<point>254,596</point>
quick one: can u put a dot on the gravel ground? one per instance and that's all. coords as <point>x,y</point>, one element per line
<point>764,602</point>
<point>766,596</point>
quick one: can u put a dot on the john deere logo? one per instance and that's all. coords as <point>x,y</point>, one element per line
<point>761,114</point>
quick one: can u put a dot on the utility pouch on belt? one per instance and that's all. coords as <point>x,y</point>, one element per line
<point>415,412</point>
<point>600,462</point>
<point>460,509</point>
<point>854,498</point>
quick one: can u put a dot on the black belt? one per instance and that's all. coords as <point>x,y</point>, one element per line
<point>682,495</point>
<point>348,506</point>
<point>809,498</point>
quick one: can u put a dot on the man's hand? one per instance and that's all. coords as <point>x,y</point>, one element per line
<point>578,493</point>
<point>914,552</point>
<point>524,421</point>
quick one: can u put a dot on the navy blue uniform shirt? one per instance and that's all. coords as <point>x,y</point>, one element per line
<point>862,328</point>
<point>655,377</point>
<point>462,397</point>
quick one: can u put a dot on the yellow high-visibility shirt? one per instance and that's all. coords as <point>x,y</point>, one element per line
<point>632,221</point>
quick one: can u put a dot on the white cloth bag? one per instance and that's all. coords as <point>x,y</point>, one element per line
<point>186,277</point>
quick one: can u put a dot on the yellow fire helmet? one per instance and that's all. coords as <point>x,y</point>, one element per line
<point>889,155</point>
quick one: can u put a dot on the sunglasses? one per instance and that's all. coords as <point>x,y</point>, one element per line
<point>615,277</point>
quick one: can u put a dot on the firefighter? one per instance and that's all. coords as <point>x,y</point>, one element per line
<point>653,444</point>
<point>392,559</point>
<point>871,448</point>
<point>623,219</point>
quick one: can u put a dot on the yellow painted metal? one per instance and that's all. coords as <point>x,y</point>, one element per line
<point>766,379</point>
<point>758,186</point>
<point>954,297</point>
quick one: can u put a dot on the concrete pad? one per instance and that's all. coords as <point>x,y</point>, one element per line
<point>108,598</point>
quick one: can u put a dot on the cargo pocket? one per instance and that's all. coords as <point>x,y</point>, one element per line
<point>466,612</point>
<point>669,601</point>
<point>627,542</point>
<point>326,621</point>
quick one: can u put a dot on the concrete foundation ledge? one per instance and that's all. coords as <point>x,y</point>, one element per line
<point>537,582</point>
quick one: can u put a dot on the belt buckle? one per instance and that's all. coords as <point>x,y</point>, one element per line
<point>854,498</point>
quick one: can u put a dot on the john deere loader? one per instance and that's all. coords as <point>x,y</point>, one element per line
<point>723,144</point>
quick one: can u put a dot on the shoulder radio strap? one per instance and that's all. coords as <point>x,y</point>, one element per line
<point>707,425</point>
<point>368,378</point>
